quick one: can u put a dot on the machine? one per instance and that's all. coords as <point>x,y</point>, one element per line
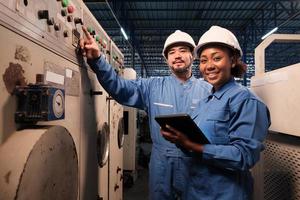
<point>55,117</point>
<point>130,135</point>
<point>276,176</point>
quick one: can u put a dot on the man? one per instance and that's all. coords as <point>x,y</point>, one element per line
<point>177,93</point>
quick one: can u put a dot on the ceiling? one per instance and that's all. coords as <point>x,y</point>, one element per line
<point>148,24</point>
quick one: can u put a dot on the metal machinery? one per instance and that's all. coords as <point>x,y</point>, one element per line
<point>277,175</point>
<point>130,131</point>
<point>58,127</point>
<point>116,124</point>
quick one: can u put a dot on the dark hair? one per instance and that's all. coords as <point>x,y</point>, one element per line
<point>240,67</point>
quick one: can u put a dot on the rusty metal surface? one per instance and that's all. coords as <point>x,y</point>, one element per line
<point>13,76</point>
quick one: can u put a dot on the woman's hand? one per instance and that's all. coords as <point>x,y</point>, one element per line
<point>177,137</point>
<point>173,135</point>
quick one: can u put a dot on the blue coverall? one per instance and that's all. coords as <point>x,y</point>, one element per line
<point>168,168</point>
<point>236,123</point>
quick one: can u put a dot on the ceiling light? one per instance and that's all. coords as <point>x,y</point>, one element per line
<point>269,33</point>
<point>124,34</point>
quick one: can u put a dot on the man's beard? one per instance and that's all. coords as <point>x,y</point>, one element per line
<point>181,71</point>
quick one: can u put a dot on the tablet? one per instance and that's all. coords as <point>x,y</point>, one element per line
<point>184,124</point>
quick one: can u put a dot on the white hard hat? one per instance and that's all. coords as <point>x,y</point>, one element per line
<point>217,34</point>
<point>178,37</point>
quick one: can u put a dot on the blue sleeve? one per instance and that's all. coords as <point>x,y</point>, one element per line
<point>127,92</point>
<point>247,130</point>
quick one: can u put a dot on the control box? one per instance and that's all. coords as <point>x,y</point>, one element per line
<point>39,103</point>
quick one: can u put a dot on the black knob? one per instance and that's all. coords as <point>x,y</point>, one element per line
<point>57,26</point>
<point>70,18</point>
<point>66,33</point>
<point>64,12</point>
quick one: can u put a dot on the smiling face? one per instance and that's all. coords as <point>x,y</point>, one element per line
<point>180,59</point>
<point>215,65</point>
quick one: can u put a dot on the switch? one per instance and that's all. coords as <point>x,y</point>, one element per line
<point>63,12</point>
<point>78,20</point>
<point>43,14</point>
<point>91,30</point>
<point>57,26</point>
<point>70,18</point>
<point>66,33</point>
<point>50,21</point>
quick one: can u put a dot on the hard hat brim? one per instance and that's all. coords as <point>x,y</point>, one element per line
<point>199,48</point>
<point>171,45</point>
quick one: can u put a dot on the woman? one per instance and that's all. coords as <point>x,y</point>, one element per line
<point>234,120</point>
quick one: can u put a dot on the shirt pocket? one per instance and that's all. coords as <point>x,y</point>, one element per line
<point>220,123</point>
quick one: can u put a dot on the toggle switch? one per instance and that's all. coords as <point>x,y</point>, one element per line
<point>50,21</point>
<point>78,20</point>
<point>70,18</point>
<point>66,33</point>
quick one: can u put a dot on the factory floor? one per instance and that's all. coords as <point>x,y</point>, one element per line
<point>139,189</point>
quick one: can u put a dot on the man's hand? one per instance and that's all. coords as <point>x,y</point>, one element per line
<point>88,45</point>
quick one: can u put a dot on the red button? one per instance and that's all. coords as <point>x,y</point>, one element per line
<point>71,9</point>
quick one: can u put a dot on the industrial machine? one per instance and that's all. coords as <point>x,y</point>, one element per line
<point>130,134</point>
<point>116,124</point>
<point>57,124</point>
<point>276,176</point>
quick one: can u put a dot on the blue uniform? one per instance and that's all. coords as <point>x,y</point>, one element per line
<point>236,123</point>
<point>168,166</point>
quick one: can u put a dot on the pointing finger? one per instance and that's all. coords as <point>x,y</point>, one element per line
<point>86,33</point>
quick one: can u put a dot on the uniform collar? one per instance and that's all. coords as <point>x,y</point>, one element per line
<point>187,82</point>
<point>218,94</point>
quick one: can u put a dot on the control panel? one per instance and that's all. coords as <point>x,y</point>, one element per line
<point>56,24</point>
<point>117,59</point>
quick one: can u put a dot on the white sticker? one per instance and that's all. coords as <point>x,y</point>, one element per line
<point>69,73</point>
<point>55,78</point>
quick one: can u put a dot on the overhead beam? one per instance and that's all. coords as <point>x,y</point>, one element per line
<point>180,1</point>
<point>145,19</point>
<point>191,9</point>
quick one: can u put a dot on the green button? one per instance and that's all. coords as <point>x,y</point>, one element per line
<point>90,29</point>
<point>97,38</point>
<point>65,3</point>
